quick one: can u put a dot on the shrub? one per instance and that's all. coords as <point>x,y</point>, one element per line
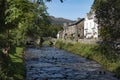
<point>117,72</point>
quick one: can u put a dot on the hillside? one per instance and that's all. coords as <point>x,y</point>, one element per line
<point>59,21</point>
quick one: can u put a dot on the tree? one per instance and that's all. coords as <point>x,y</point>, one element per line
<point>19,19</point>
<point>108,13</point>
<point>53,30</point>
<point>12,14</point>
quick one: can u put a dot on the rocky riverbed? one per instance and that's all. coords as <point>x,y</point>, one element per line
<point>48,63</point>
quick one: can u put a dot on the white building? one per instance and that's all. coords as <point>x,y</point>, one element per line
<point>90,26</point>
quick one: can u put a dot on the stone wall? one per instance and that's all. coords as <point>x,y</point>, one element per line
<point>88,41</point>
<point>85,41</point>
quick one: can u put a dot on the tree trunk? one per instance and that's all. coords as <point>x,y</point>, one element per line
<point>6,49</point>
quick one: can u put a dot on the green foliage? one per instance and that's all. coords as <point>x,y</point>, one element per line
<point>2,14</point>
<point>59,44</point>
<point>77,48</point>
<point>53,30</point>
<point>15,12</point>
<point>19,19</point>
<point>117,71</point>
<point>23,19</point>
<point>2,40</point>
<point>108,13</point>
<point>48,43</point>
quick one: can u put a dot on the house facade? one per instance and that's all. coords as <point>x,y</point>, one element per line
<point>72,31</point>
<point>60,35</point>
<point>90,26</point>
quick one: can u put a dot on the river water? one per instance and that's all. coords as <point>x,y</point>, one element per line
<point>48,63</point>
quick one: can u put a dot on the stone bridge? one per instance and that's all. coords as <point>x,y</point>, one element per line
<point>50,39</point>
<point>35,42</point>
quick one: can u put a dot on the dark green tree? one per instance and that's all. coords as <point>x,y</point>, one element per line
<point>108,13</point>
<point>13,13</point>
<point>53,30</point>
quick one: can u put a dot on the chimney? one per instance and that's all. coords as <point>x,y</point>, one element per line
<point>78,19</point>
<point>65,25</point>
<point>70,23</point>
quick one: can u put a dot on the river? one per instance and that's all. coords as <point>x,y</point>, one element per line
<point>49,63</point>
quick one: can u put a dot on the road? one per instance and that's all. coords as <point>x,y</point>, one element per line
<point>48,63</point>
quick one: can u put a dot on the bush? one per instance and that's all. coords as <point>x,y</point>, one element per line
<point>117,72</point>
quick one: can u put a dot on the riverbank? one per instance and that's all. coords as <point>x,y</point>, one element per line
<point>12,67</point>
<point>91,51</point>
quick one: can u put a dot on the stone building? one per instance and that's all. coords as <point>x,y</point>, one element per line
<point>72,31</point>
<point>80,29</point>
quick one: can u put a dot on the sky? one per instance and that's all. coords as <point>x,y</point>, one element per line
<point>69,9</point>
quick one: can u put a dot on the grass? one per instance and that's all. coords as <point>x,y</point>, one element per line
<point>91,51</point>
<point>18,63</point>
<point>47,42</point>
<point>12,67</point>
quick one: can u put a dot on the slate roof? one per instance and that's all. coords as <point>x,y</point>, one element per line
<point>77,22</point>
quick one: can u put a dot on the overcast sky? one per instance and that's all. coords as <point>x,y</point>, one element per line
<point>70,9</point>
